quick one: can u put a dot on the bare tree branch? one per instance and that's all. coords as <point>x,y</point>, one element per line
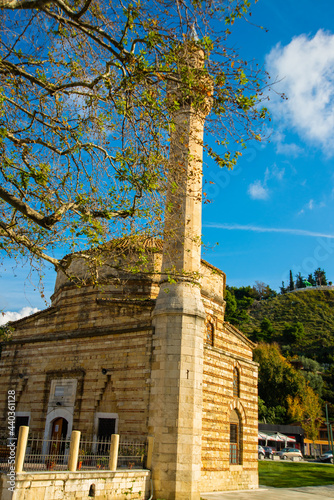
<point>23,208</point>
<point>7,231</point>
<point>23,4</point>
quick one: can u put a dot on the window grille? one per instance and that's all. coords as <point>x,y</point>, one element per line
<point>234,451</point>
<point>235,438</point>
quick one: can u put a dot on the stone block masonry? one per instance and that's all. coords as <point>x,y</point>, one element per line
<point>103,485</point>
<point>40,356</point>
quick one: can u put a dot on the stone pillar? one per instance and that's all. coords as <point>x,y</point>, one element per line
<point>113,455</point>
<point>74,451</point>
<point>21,448</point>
<point>177,367</point>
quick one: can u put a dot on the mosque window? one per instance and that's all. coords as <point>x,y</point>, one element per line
<point>236,383</point>
<point>209,333</point>
<point>235,438</point>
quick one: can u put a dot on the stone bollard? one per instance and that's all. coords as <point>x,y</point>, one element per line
<point>113,456</point>
<point>21,448</point>
<point>74,451</point>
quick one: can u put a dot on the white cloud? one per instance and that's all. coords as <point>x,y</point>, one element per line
<point>289,149</point>
<point>312,205</point>
<point>305,70</point>
<point>284,148</point>
<point>258,191</point>
<point>14,316</point>
<point>273,173</point>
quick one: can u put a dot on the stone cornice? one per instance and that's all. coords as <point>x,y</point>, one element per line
<point>81,333</point>
<point>127,300</point>
<point>232,329</point>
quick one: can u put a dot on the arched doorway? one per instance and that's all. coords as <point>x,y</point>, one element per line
<point>50,426</point>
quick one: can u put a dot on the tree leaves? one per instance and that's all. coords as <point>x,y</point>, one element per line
<point>85,113</point>
<point>281,386</point>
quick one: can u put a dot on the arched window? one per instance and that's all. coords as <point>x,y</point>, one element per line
<point>236,383</point>
<point>235,438</point>
<point>209,333</point>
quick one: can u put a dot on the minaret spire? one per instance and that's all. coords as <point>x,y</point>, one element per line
<point>193,33</point>
<point>190,104</point>
<point>178,317</point>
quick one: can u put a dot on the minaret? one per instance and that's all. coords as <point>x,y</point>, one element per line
<point>177,367</point>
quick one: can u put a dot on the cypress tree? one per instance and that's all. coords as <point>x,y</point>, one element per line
<point>291,285</point>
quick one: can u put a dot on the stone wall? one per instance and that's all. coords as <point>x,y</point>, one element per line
<point>88,330</point>
<point>230,350</point>
<point>129,485</point>
<point>123,389</point>
<point>96,337</point>
<point>99,343</point>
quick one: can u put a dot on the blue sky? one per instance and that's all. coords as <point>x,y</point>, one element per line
<point>273,212</point>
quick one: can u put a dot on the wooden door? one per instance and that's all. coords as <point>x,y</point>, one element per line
<point>57,429</point>
<point>58,434</point>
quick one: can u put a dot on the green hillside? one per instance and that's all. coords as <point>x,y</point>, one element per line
<point>313,309</point>
<point>294,332</point>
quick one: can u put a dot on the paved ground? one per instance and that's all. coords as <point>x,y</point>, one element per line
<point>267,493</point>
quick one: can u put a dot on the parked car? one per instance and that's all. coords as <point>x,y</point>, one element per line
<point>327,457</point>
<point>289,453</point>
<point>269,452</point>
<point>261,452</point>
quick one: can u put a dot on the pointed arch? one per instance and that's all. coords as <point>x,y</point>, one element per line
<point>237,405</point>
<point>236,364</point>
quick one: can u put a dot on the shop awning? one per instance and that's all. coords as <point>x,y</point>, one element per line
<point>276,436</point>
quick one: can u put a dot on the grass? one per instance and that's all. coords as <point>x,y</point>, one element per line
<point>295,474</point>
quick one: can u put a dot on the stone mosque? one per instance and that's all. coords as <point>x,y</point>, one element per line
<point>143,355</point>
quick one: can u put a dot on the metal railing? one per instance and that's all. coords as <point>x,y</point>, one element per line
<point>132,454</point>
<point>46,454</point>
<point>94,454</point>
<point>4,455</point>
